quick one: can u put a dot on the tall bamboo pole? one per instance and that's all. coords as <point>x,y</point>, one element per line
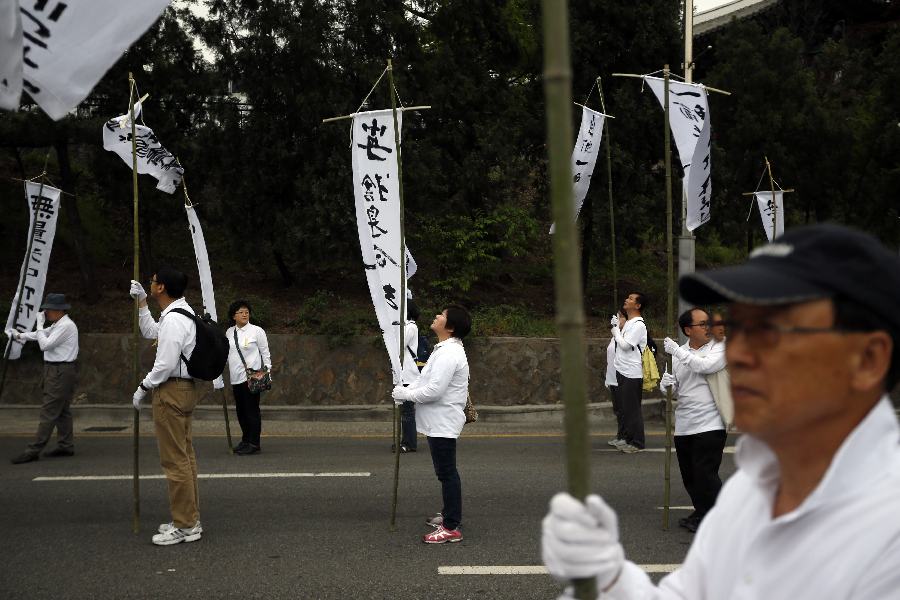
<point>569,307</point>
<point>617,303</point>
<point>136,481</point>
<point>670,294</point>
<point>23,272</point>
<point>774,201</point>
<point>402,319</point>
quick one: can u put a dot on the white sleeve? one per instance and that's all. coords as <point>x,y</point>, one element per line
<point>634,337</point>
<point>168,353</point>
<point>435,378</point>
<point>263,343</point>
<point>713,362</point>
<point>149,327</point>
<point>51,337</point>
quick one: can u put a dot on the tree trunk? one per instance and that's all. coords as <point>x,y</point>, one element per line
<point>70,202</point>
<point>287,278</point>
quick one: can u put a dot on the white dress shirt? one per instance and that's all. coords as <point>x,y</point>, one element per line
<point>175,335</point>
<point>255,348</point>
<point>410,369</point>
<point>696,410</point>
<point>441,391</point>
<point>841,543</point>
<point>628,352</point>
<point>58,342</point>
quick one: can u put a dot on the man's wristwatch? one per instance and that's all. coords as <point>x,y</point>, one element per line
<point>144,387</point>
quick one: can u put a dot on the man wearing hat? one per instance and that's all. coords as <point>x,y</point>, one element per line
<point>813,350</point>
<point>59,342</point>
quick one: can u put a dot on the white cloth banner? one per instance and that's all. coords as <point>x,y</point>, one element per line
<point>43,206</point>
<point>584,156</point>
<point>376,191</point>
<point>58,50</point>
<point>690,122</point>
<point>206,284</point>
<point>769,211</point>
<point>152,157</point>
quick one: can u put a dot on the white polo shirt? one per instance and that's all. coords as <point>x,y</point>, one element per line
<point>842,542</point>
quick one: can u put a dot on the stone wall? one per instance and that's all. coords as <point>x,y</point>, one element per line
<point>309,371</point>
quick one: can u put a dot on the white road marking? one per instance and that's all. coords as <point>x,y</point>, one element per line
<point>677,508</point>
<point>531,570</point>
<point>727,450</point>
<point>200,476</point>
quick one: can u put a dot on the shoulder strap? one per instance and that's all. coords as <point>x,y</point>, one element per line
<point>181,311</point>
<point>237,346</point>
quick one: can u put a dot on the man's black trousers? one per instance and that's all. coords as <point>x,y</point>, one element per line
<point>699,457</point>
<point>631,425</point>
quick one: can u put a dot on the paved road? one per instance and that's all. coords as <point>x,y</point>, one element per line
<point>310,537</point>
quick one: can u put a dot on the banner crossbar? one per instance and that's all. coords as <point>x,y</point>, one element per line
<point>708,89</point>
<point>344,117</point>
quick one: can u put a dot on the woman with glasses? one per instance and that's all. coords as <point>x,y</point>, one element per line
<point>248,350</point>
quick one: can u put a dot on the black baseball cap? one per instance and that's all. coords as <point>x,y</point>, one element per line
<point>808,263</point>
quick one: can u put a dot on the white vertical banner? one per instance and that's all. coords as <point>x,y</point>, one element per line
<point>58,49</point>
<point>771,212</point>
<point>584,156</point>
<point>43,206</point>
<point>206,284</point>
<point>376,191</point>
<point>690,122</point>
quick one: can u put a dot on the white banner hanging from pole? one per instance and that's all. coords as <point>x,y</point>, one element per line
<point>43,206</point>
<point>690,122</point>
<point>771,213</point>
<point>152,157</point>
<point>206,284</point>
<point>376,191</point>
<point>58,50</point>
<point>584,156</point>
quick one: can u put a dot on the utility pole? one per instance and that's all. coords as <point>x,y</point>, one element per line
<point>686,241</point>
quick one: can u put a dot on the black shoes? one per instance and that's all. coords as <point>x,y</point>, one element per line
<point>404,449</point>
<point>247,449</point>
<point>690,523</point>
<point>59,452</point>
<point>25,457</point>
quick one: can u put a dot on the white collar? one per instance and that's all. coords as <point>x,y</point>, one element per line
<point>179,303</point>
<point>450,340</point>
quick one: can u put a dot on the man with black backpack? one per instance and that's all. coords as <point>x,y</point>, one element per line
<point>174,397</point>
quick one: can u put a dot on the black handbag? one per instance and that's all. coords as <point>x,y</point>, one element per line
<point>257,381</point>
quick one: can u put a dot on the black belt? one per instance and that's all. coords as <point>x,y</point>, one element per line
<point>60,362</point>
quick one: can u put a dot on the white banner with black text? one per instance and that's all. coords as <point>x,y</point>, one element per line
<point>771,212</point>
<point>43,206</point>
<point>206,284</point>
<point>152,158</point>
<point>584,157</point>
<point>376,191</point>
<point>690,123</point>
<point>58,50</point>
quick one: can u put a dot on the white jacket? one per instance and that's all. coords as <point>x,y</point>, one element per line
<point>441,391</point>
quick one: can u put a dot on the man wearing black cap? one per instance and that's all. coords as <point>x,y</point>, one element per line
<point>813,350</point>
<point>59,343</point>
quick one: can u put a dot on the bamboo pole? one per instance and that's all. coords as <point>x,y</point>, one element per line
<point>617,304</point>
<point>23,272</point>
<point>136,482</point>
<point>670,268</point>
<point>402,319</point>
<point>567,283</point>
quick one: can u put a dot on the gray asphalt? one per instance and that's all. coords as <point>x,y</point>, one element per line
<point>312,537</point>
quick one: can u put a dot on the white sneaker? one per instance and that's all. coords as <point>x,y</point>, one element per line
<point>164,527</point>
<point>615,442</point>
<point>629,449</point>
<point>176,536</point>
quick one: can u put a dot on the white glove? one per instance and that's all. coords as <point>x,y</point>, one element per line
<point>400,394</point>
<point>582,540</point>
<point>666,381</point>
<point>614,321</point>
<point>138,396</point>
<point>12,334</point>
<point>41,319</point>
<point>671,345</point>
<point>137,291</point>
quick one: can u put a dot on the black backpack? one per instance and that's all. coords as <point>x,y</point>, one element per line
<point>421,357</point>
<point>211,352</point>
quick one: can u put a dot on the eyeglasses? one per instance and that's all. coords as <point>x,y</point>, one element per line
<point>768,335</point>
<point>242,312</point>
<point>704,324</point>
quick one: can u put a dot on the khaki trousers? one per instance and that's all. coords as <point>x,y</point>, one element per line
<point>173,409</point>
<point>59,387</point>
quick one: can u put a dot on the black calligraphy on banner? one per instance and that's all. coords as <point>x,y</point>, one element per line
<point>374,134</point>
<point>38,19</point>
